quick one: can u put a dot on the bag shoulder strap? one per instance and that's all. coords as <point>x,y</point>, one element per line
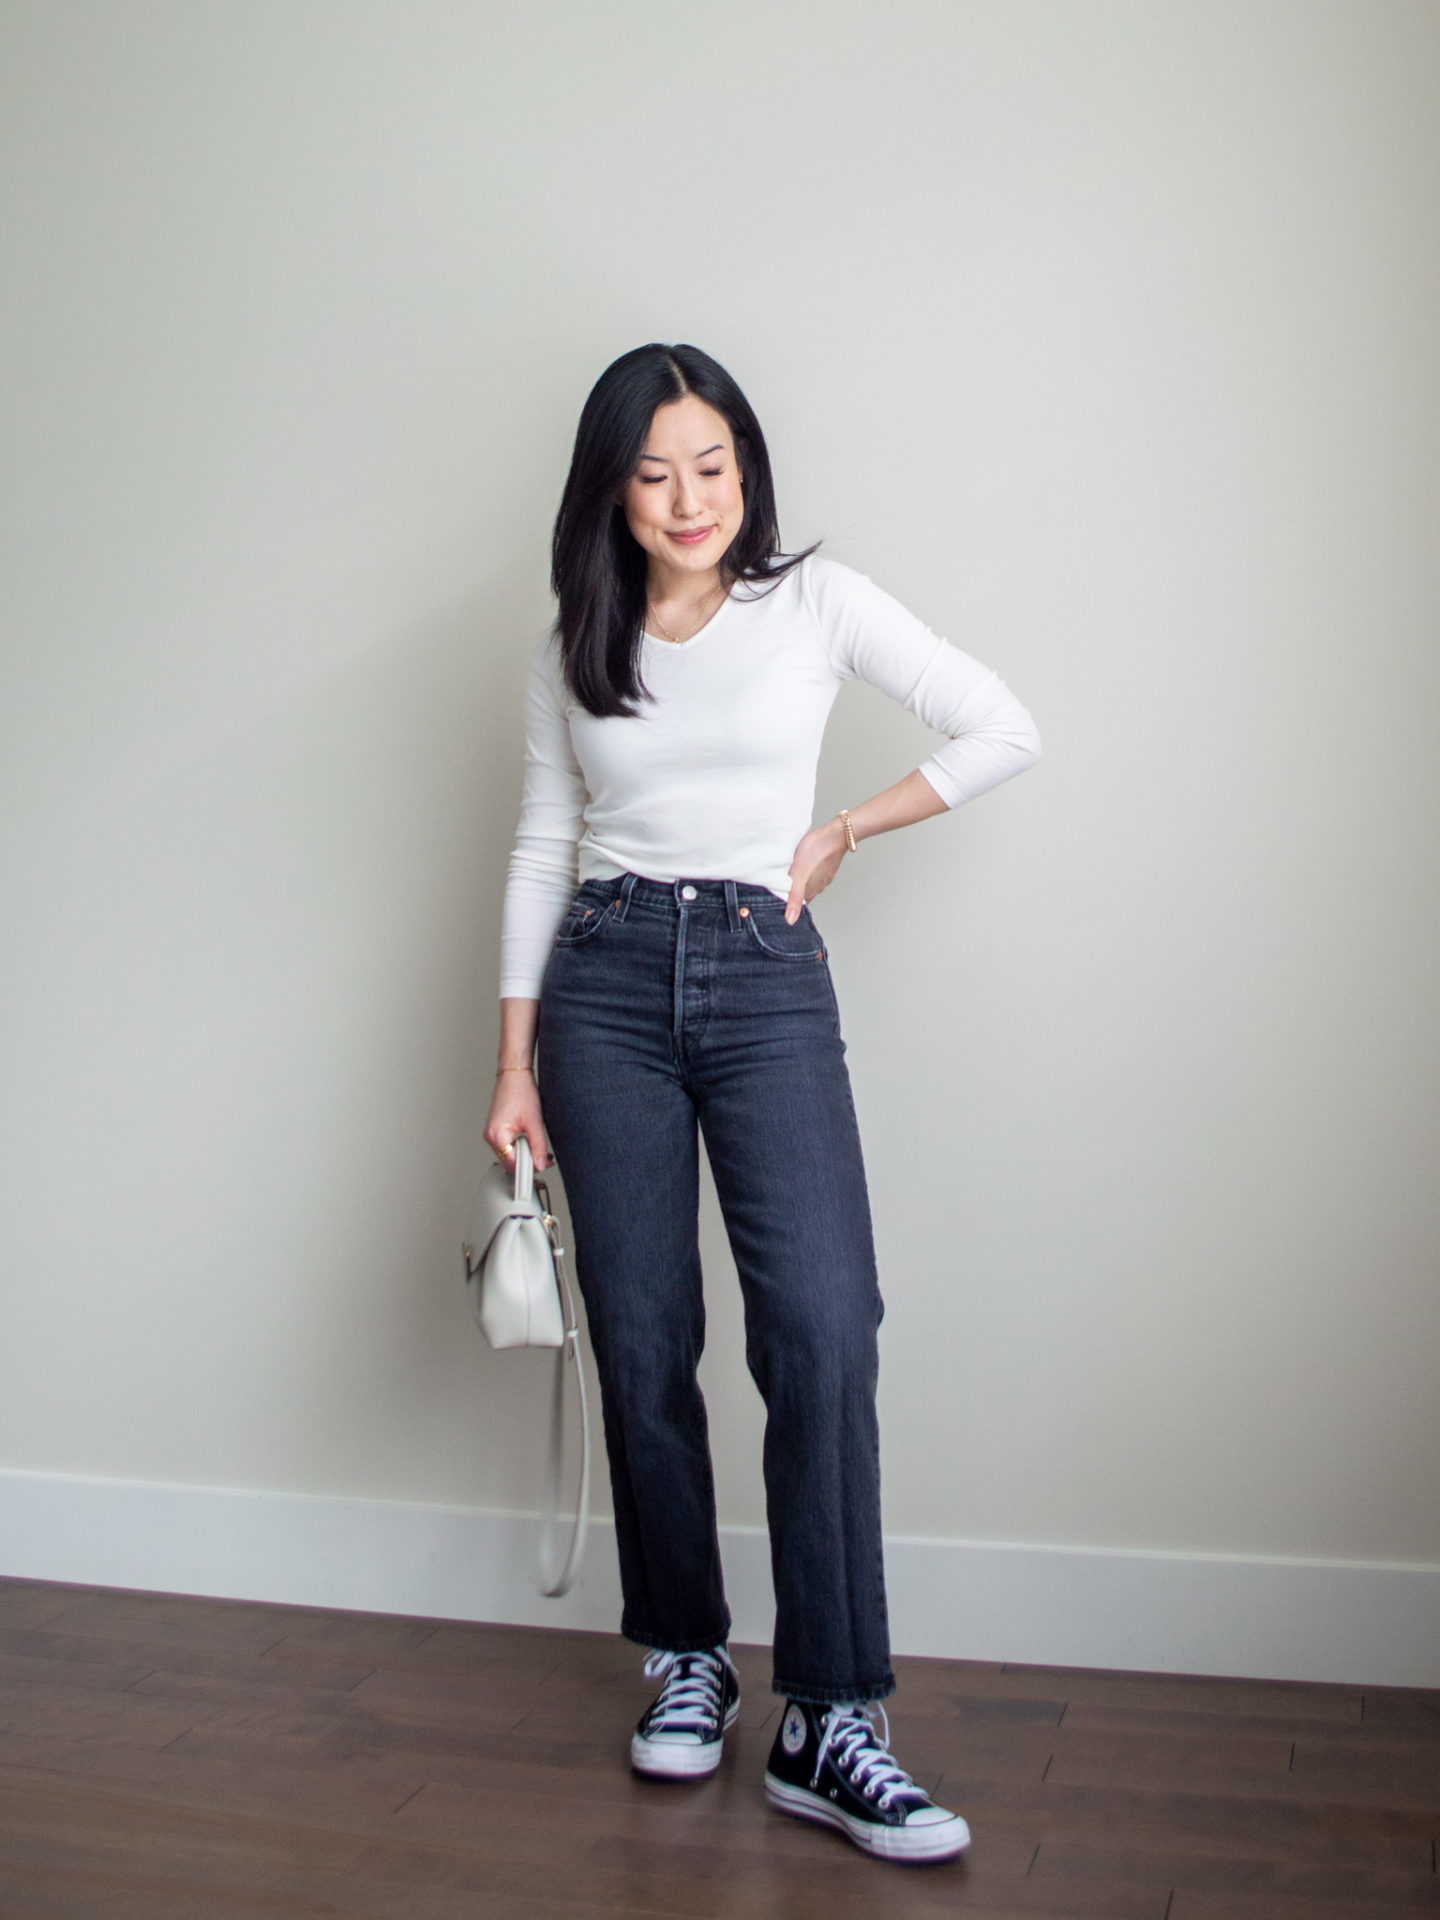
<point>567,1357</point>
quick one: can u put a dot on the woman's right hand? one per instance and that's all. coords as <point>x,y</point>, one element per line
<point>515,1109</point>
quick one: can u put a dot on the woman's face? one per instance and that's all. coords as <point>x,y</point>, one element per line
<point>684,502</point>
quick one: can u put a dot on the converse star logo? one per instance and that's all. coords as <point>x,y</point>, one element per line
<point>792,1733</point>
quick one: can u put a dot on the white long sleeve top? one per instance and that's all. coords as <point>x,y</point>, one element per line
<point>715,777</point>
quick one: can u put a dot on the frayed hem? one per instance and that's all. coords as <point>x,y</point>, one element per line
<point>663,1643</point>
<point>813,1696</point>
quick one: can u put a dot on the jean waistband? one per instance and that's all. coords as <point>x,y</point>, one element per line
<point>720,898</point>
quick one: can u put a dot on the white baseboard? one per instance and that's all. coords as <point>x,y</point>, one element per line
<point>1350,1621</point>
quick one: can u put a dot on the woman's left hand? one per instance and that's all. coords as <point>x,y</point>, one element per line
<point>816,863</point>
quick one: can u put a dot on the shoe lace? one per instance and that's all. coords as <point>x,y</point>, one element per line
<point>691,1694</point>
<point>863,1755</point>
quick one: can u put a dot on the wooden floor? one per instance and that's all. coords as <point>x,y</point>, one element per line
<point>178,1759</point>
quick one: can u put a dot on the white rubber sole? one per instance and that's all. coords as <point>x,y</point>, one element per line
<point>677,1760</point>
<point>915,1845</point>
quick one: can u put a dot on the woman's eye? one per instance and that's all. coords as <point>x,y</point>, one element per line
<point>655,479</point>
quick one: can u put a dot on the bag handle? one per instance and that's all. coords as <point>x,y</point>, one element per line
<point>524,1170</point>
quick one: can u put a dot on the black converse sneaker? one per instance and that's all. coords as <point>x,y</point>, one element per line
<point>680,1735</point>
<point>830,1764</point>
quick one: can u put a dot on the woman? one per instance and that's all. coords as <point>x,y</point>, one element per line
<point>673,724</point>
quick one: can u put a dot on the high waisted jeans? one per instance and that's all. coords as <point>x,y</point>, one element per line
<point>665,1005</point>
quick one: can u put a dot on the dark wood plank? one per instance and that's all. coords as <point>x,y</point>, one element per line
<point>79,1827</point>
<point>175,1658</point>
<point>1193,1693</point>
<point>1250,1876</point>
<point>1400,1763</point>
<point>1401,1707</point>
<point>347,1794</point>
<point>1190,1904</point>
<point>93,1716</point>
<point>28,1603</point>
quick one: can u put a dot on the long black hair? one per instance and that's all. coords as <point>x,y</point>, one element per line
<point>598,567</point>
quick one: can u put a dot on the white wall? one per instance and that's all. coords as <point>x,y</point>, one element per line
<point>1102,335</point>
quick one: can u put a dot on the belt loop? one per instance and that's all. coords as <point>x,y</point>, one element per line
<point>627,887</point>
<point>732,907</point>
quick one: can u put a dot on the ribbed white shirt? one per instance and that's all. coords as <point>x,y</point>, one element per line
<point>714,779</point>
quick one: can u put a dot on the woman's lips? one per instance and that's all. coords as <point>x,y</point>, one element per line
<point>693,538</point>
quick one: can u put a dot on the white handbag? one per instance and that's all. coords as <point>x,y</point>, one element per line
<point>520,1293</point>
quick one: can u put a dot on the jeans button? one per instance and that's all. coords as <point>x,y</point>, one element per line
<point>687,893</point>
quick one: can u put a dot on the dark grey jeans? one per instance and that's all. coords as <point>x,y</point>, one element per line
<point>663,1006</point>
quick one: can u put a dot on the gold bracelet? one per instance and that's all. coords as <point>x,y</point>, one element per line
<point>843,816</point>
<point>514,1070</point>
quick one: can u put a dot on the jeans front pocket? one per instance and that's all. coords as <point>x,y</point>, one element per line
<point>584,917</point>
<point>777,939</point>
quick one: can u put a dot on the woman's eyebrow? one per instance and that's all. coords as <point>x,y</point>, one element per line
<point>664,458</point>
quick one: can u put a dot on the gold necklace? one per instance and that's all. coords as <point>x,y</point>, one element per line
<point>674,638</point>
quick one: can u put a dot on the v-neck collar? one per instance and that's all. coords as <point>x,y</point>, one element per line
<point>683,646</point>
